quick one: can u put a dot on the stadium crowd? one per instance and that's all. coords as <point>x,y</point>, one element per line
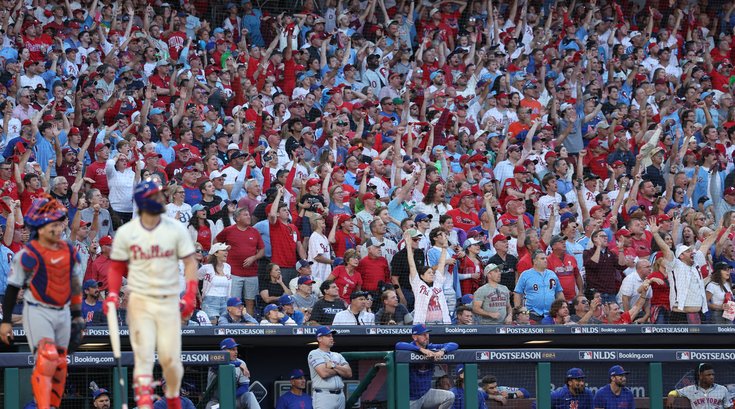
<point>389,162</point>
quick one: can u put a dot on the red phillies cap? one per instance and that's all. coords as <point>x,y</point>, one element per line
<point>106,241</point>
<point>595,143</point>
<point>74,130</point>
<point>665,217</point>
<point>595,208</point>
<point>498,238</point>
<point>550,154</point>
<point>368,196</point>
<point>311,182</point>
<point>622,233</point>
<point>466,193</point>
<point>618,164</point>
<point>520,169</point>
<point>182,147</point>
<point>100,146</point>
<point>152,155</point>
<point>343,218</point>
<point>26,122</point>
<point>730,191</point>
<point>211,69</point>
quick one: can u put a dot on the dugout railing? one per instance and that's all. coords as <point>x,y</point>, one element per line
<point>100,367</point>
<point>653,372</point>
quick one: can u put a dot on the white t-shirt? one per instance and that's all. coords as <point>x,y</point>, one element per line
<point>319,245</point>
<point>181,213</point>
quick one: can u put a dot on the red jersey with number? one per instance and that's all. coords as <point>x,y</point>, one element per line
<point>567,271</point>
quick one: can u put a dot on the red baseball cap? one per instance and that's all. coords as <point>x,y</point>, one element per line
<point>368,196</point>
<point>520,169</point>
<point>730,191</point>
<point>498,238</point>
<point>106,241</point>
<point>595,208</point>
<point>311,182</point>
<point>618,163</point>
<point>664,217</point>
<point>466,193</point>
<point>622,233</point>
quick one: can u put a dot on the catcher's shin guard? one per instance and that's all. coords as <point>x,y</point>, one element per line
<point>143,388</point>
<point>47,358</point>
<point>59,379</point>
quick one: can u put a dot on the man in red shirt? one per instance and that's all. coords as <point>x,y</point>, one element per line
<point>374,267</point>
<point>596,159</point>
<point>161,81</point>
<point>99,266</point>
<point>565,267</point>
<point>515,186</point>
<point>615,315</point>
<point>246,248</point>
<point>285,238</point>
<point>36,42</point>
<point>344,238</point>
<point>465,217</point>
<point>96,171</point>
<point>183,156</point>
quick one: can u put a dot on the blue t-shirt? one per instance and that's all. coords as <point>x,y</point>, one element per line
<point>539,289</point>
<point>89,310</point>
<point>606,399</point>
<point>563,398</point>
<point>192,196</point>
<point>6,256</point>
<point>290,401</point>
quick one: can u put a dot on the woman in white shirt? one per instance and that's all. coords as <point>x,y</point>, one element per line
<point>719,291</point>
<point>434,204</point>
<point>178,209</point>
<point>217,278</point>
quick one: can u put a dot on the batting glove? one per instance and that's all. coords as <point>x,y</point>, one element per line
<point>187,302</point>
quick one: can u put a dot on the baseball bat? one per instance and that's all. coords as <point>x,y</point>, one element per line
<point>114,329</point>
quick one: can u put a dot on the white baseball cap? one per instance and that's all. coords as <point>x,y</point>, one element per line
<point>681,249</point>
<point>218,247</point>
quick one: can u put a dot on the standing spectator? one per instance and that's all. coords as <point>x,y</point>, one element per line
<point>421,394</point>
<point>615,394</point>
<point>430,301</point>
<point>346,276</point>
<point>356,313</point>
<point>285,240</point>
<point>120,179</point>
<point>635,286</point>
<point>505,261</point>
<point>565,267</point>
<point>719,292</point>
<point>327,369</point>
<point>201,229</point>
<point>319,250</point>
<point>216,275</point>
<point>296,397</point>
<point>603,268</point>
<point>400,270</point>
<point>99,268</point>
<point>104,222</point>
<point>246,249</point>
<point>687,297</point>
<point>327,307</point>
<point>373,268</point>
<point>539,287</point>
<point>491,302</point>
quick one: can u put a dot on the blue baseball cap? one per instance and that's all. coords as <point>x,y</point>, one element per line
<point>419,329</point>
<point>321,331</point>
<point>575,373</point>
<point>89,284</point>
<point>155,111</point>
<point>460,369</point>
<point>296,374</point>
<point>617,370</point>
<point>422,216</point>
<point>234,302</point>
<point>228,343</point>
<point>567,216</point>
<point>285,299</point>
<point>268,308</point>
<point>99,392</point>
<point>219,30</point>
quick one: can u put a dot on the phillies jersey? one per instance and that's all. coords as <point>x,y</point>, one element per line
<point>153,255</point>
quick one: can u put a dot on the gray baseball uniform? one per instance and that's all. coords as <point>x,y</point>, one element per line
<point>326,393</point>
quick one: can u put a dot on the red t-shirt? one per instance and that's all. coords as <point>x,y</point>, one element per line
<point>96,171</point>
<point>624,319</point>
<point>660,295</point>
<point>283,244</point>
<point>346,283</point>
<point>204,236</point>
<point>597,164</point>
<point>243,244</point>
<point>344,242</point>
<point>464,221</point>
<point>35,45</point>
<point>27,198</point>
<point>642,246</point>
<point>567,270</point>
<point>373,270</point>
<point>176,41</point>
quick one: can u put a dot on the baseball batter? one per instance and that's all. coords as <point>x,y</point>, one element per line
<point>49,269</point>
<point>147,250</point>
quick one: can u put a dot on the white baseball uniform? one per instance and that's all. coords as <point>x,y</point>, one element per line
<point>153,283</point>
